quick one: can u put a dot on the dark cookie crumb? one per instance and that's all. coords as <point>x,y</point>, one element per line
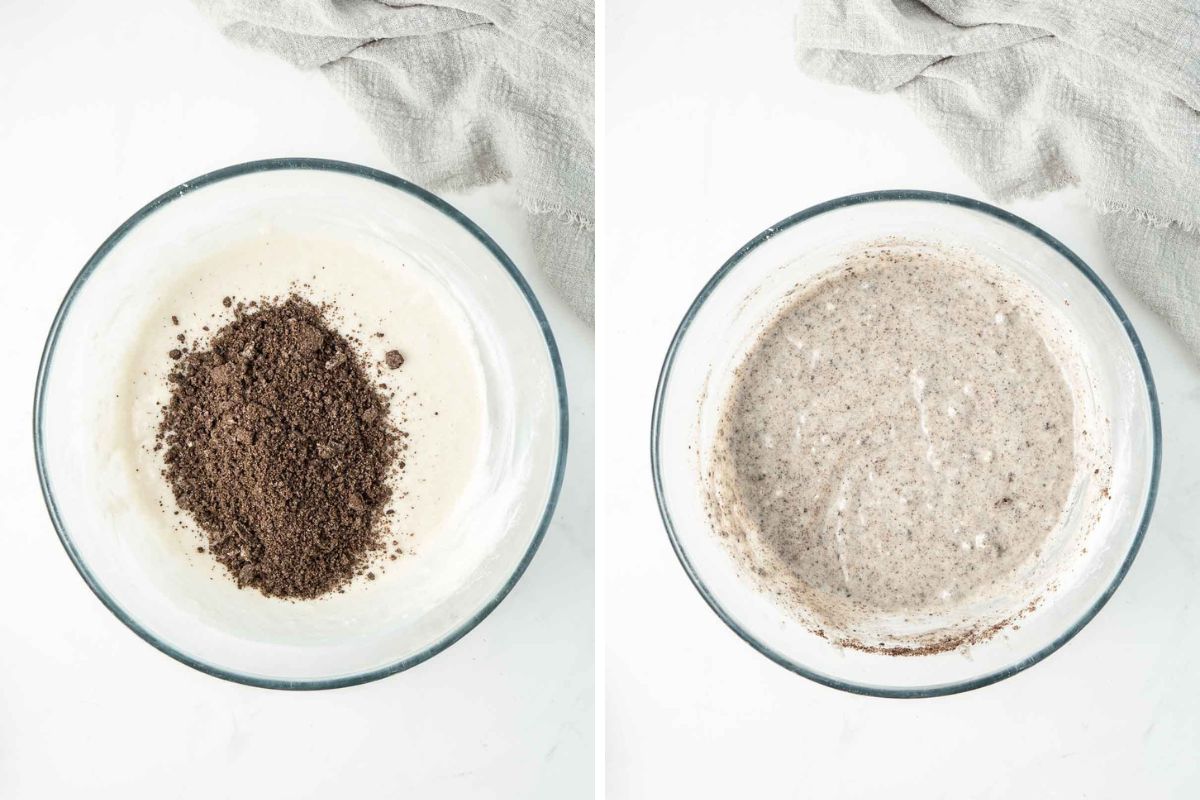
<point>393,359</point>
<point>282,461</point>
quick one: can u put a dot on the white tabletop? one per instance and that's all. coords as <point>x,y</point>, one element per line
<point>100,111</point>
<point>712,135</point>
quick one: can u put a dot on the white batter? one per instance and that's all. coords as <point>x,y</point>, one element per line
<point>439,392</point>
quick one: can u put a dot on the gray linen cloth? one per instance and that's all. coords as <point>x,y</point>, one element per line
<point>1036,95</point>
<point>462,93</point>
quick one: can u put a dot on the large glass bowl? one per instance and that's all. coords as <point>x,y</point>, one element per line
<point>237,634</point>
<point>748,288</point>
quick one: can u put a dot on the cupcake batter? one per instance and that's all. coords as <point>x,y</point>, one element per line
<point>900,438</point>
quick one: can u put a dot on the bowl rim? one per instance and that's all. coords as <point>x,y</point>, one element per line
<point>885,196</point>
<point>316,165</point>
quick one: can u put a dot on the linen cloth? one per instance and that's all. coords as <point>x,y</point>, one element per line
<point>1034,95</point>
<point>462,93</point>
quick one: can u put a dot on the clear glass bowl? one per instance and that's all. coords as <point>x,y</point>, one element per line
<point>206,622</point>
<point>732,306</point>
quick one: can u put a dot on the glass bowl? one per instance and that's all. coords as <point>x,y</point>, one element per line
<point>131,559</point>
<point>731,308</point>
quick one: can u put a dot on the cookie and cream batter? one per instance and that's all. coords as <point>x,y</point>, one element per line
<point>900,438</point>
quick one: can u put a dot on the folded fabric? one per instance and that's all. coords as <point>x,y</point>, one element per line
<point>1037,95</point>
<point>462,93</point>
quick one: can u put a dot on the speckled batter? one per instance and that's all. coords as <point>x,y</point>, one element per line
<point>900,438</point>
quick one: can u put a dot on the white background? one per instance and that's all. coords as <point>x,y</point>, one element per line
<point>712,135</point>
<point>100,111</point>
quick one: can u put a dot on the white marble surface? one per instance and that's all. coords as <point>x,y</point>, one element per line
<point>100,111</point>
<point>712,135</point>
